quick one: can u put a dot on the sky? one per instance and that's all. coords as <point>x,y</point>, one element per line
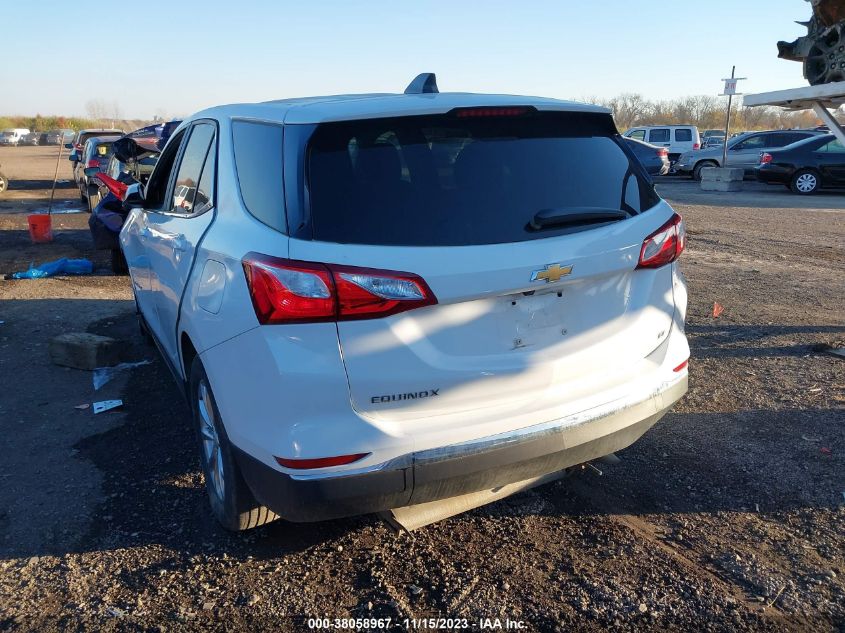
<point>177,57</point>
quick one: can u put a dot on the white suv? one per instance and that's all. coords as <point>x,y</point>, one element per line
<point>377,301</point>
<point>677,139</point>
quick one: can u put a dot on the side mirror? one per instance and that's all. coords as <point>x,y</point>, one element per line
<point>68,145</point>
<point>134,196</point>
<point>91,171</point>
<point>73,157</point>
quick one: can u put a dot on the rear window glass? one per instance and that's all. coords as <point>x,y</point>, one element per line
<point>258,159</point>
<point>447,181</point>
<point>683,135</point>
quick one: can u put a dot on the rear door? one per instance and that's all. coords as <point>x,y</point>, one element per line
<point>746,153</point>
<point>831,163</point>
<point>525,318</point>
<point>172,234</point>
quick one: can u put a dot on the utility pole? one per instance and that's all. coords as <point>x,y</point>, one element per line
<point>730,91</point>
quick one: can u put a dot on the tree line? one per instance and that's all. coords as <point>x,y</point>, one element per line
<point>705,112</point>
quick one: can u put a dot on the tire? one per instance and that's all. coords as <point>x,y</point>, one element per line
<point>93,199</point>
<point>805,182</point>
<point>118,262</point>
<point>3,183</point>
<point>232,502</point>
<point>696,172</point>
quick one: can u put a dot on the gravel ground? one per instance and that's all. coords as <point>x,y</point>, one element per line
<point>728,515</point>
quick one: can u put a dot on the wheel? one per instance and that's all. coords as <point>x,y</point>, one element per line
<point>805,182</point>
<point>3,183</point>
<point>696,172</point>
<point>232,502</point>
<point>825,62</point>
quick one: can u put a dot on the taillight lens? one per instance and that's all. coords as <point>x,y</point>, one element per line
<point>696,146</point>
<point>484,111</point>
<point>665,245</point>
<point>663,152</point>
<point>290,291</point>
<point>320,462</point>
<point>765,157</point>
<point>94,163</point>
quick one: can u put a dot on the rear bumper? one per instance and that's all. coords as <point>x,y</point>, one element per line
<point>458,469</point>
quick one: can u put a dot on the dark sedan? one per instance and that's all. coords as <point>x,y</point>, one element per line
<point>654,159</point>
<point>805,166</point>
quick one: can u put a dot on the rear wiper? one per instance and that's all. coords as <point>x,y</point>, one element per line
<point>573,216</point>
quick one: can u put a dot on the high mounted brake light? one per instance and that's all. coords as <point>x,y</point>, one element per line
<point>665,245</point>
<point>291,291</point>
<point>485,111</point>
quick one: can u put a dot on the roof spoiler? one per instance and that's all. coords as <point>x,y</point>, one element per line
<point>424,83</point>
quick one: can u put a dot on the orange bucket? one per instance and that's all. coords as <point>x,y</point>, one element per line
<point>40,227</point>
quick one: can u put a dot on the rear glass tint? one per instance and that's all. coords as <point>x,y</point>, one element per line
<point>449,181</point>
<point>683,135</point>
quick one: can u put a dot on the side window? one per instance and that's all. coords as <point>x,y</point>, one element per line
<point>757,142</point>
<point>637,134</point>
<point>659,136</point>
<point>190,168</point>
<point>258,158</point>
<point>782,139</point>
<point>205,190</point>
<point>834,147</point>
<point>683,135</point>
<point>157,184</point>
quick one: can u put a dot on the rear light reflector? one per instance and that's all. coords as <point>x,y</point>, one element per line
<point>320,462</point>
<point>696,146</point>
<point>663,152</point>
<point>765,157</point>
<point>468,113</point>
<point>93,163</point>
<point>291,291</point>
<point>682,366</point>
<point>665,245</point>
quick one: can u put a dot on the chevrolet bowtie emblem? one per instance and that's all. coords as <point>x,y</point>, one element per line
<point>552,272</point>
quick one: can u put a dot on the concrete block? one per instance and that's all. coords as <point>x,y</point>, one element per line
<point>721,185</point>
<point>81,350</point>
<point>723,174</point>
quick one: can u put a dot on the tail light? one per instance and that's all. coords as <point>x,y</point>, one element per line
<point>765,157</point>
<point>663,153</point>
<point>290,291</point>
<point>665,245</point>
<point>475,112</point>
<point>93,163</point>
<point>696,146</point>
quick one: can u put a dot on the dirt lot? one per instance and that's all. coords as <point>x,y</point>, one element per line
<point>729,515</point>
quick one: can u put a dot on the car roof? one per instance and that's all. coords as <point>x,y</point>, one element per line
<point>311,110</point>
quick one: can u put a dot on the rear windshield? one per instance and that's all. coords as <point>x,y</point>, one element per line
<point>446,180</point>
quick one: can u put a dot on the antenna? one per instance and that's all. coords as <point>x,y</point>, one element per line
<point>424,83</point>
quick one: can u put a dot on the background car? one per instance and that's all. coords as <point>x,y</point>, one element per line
<point>13,136</point>
<point>95,154</point>
<point>81,136</point>
<point>806,166</point>
<point>743,151</point>
<point>654,159</point>
<point>33,138</point>
<point>677,139</point>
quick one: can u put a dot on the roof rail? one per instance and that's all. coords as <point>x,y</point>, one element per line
<point>422,84</point>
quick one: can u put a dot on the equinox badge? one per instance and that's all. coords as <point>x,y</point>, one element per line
<point>552,272</point>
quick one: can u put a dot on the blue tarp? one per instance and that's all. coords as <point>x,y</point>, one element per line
<point>63,266</point>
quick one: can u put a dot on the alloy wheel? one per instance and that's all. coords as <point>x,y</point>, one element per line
<point>212,452</point>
